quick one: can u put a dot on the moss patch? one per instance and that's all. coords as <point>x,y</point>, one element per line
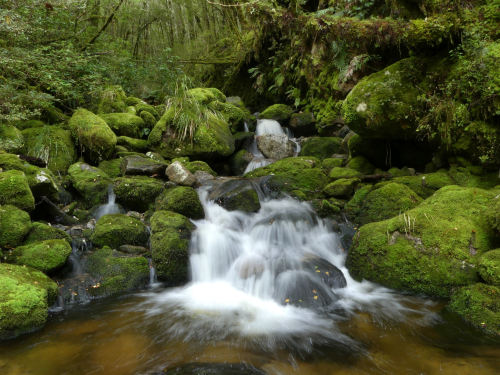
<point>124,124</point>
<point>278,112</point>
<point>15,190</point>
<point>46,256</point>
<point>91,182</point>
<point>489,267</point>
<point>117,229</point>
<point>15,224</point>
<point>11,139</point>
<point>137,193</point>
<point>41,232</point>
<point>321,147</point>
<point>183,200</point>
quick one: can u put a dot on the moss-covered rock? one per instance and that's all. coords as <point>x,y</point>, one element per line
<point>144,107</point>
<point>94,136</point>
<point>489,267</point>
<point>236,195</point>
<point>183,200</point>
<point>479,305</point>
<point>387,201</point>
<point>118,229</point>
<point>425,185</point>
<point>90,182</point>
<point>339,172</point>
<point>493,215</point>
<point>300,176</point>
<point>132,101</point>
<point>53,115</point>
<point>15,190</point>
<point>112,100</point>
<point>141,165</point>
<point>321,147</point>
<point>430,249</point>
<point>137,193</point>
<point>239,161</point>
<point>198,165</point>
<point>206,95</point>
<point>26,295</point>
<point>278,112</point>
<point>361,164</point>
<point>53,145</point>
<point>26,124</point>
<point>111,167</point>
<point>211,136</point>
<point>170,235</point>
<point>124,124</point>
<point>385,104</point>
<point>11,139</point>
<point>327,207</point>
<point>233,115</point>
<point>303,124</point>
<point>46,256</point>
<point>149,120</point>
<point>341,188</point>
<point>15,224</point>
<point>116,272</point>
<point>329,163</point>
<point>41,232</point>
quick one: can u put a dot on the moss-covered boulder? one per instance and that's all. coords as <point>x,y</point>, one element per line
<point>124,124</point>
<point>479,305</point>
<point>41,232</point>
<point>321,147</point>
<point>489,267</point>
<point>339,172</point>
<point>53,145</point>
<point>386,201</point>
<point>15,224</point>
<point>278,112</point>
<point>149,120</point>
<point>53,115</point>
<point>133,144</point>
<point>493,215</point>
<point>115,230</point>
<point>146,108</point>
<point>385,104</point>
<point>303,124</point>
<point>432,249</point>
<point>15,190</point>
<point>112,100</point>
<point>94,136</point>
<point>24,300</point>
<point>425,185</point>
<point>90,182</point>
<point>210,134</point>
<point>140,165</point>
<point>183,200</point>
<point>46,256</point>
<point>116,272</point>
<point>11,139</point>
<point>236,195</point>
<point>341,188</point>
<point>239,161</point>
<point>233,115</point>
<point>198,165</point>
<point>137,192</point>
<point>26,124</point>
<point>300,176</point>
<point>361,164</point>
<point>170,236</point>
<point>113,167</point>
<point>329,163</point>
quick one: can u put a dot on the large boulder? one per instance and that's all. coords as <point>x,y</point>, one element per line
<point>91,182</point>
<point>15,190</point>
<point>321,147</point>
<point>11,139</point>
<point>236,195</point>
<point>341,188</point>
<point>275,146</point>
<point>24,301</point>
<point>432,249</point>
<point>303,124</point>
<point>15,225</point>
<point>124,124</point>
<point>489,267</point>
<point>111,100</point>
<point>53,145</point>
<point>183,200</point>
<point>178,173</point>
<point>93,135</point>
<point>385,104</point>
<point>278,112</point>
<point>137,192</point>
<point>115,230</point>
<point>133,144</point>
<point>170,236</point>
<point>46,256</point>
<point>478,305</point>
<point>139,165</point>
<point>115,272</point>
<point>41,232</point>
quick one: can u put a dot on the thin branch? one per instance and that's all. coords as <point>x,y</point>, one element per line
<point>105,26</point>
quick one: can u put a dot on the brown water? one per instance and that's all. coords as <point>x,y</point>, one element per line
<point>112,337</point>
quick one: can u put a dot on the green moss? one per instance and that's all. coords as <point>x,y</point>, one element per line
<point>385,104</point>
<point>46,256</point>
<point>11,139</point>
<point>479,305</point>
<point>94,136</point>
<point>132,100</point>
<point>144,107</point>
<point>430,249</point>
<point>112,100</point>
<point>353,207</point>
<point>170,235</point>
<point>321,147</point>
<point>112,167</point>
<point>343,187</point>
<point>361,164</point>
<point>15,224</point>
<point>117,229</point>
<point>26,295</point>
<point>339,172</point>
<point>489,267</point>
<point>53,145</point>
<point>149,119</point>
<point>329,163</point>
<point>233,115</point>
<point>124,124</point>
<point>53,115</point>
<point>15,190</point>
<point>239,161</point>
<point>206,95</point>
<point>183,200</point>
<point>134,144</point>
<point>91,182</point>
<point>473,176</point>
<point>425,185</point>
<point>116,272</point>
<point>303,123</point>
<point>137,193</point>
<point>327,207</point>
<point>26,124</point>
<point>198,165</point>
<point>41,232</point>
<point>493,215</point>
<point>278,112</point>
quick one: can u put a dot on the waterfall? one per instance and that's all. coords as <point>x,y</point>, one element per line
<point>109,208</point>
<point>276,276</point>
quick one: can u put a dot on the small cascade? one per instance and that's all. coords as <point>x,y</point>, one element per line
<point>79,247</point>
<point>109,208</point>
<point>153,280</point>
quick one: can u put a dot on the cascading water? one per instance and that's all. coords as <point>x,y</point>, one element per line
<point>274,277</point>
<point>109,208</point>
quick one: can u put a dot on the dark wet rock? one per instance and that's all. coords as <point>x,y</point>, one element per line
<point>236,195</point>
<point>49,211</point>
<point>327,272</point>
<point>321,147</point>
<point>239,162</point>
<point>215,369</point>
<point>138,165</point>
<point>303,124</point>
<point>131,249</point>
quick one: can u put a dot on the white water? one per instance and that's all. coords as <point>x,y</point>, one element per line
<point>109,208</point>
<point>244,266</point>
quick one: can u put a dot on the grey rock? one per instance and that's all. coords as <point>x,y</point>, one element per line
<point>275,146</point>
<point>179,174</point>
